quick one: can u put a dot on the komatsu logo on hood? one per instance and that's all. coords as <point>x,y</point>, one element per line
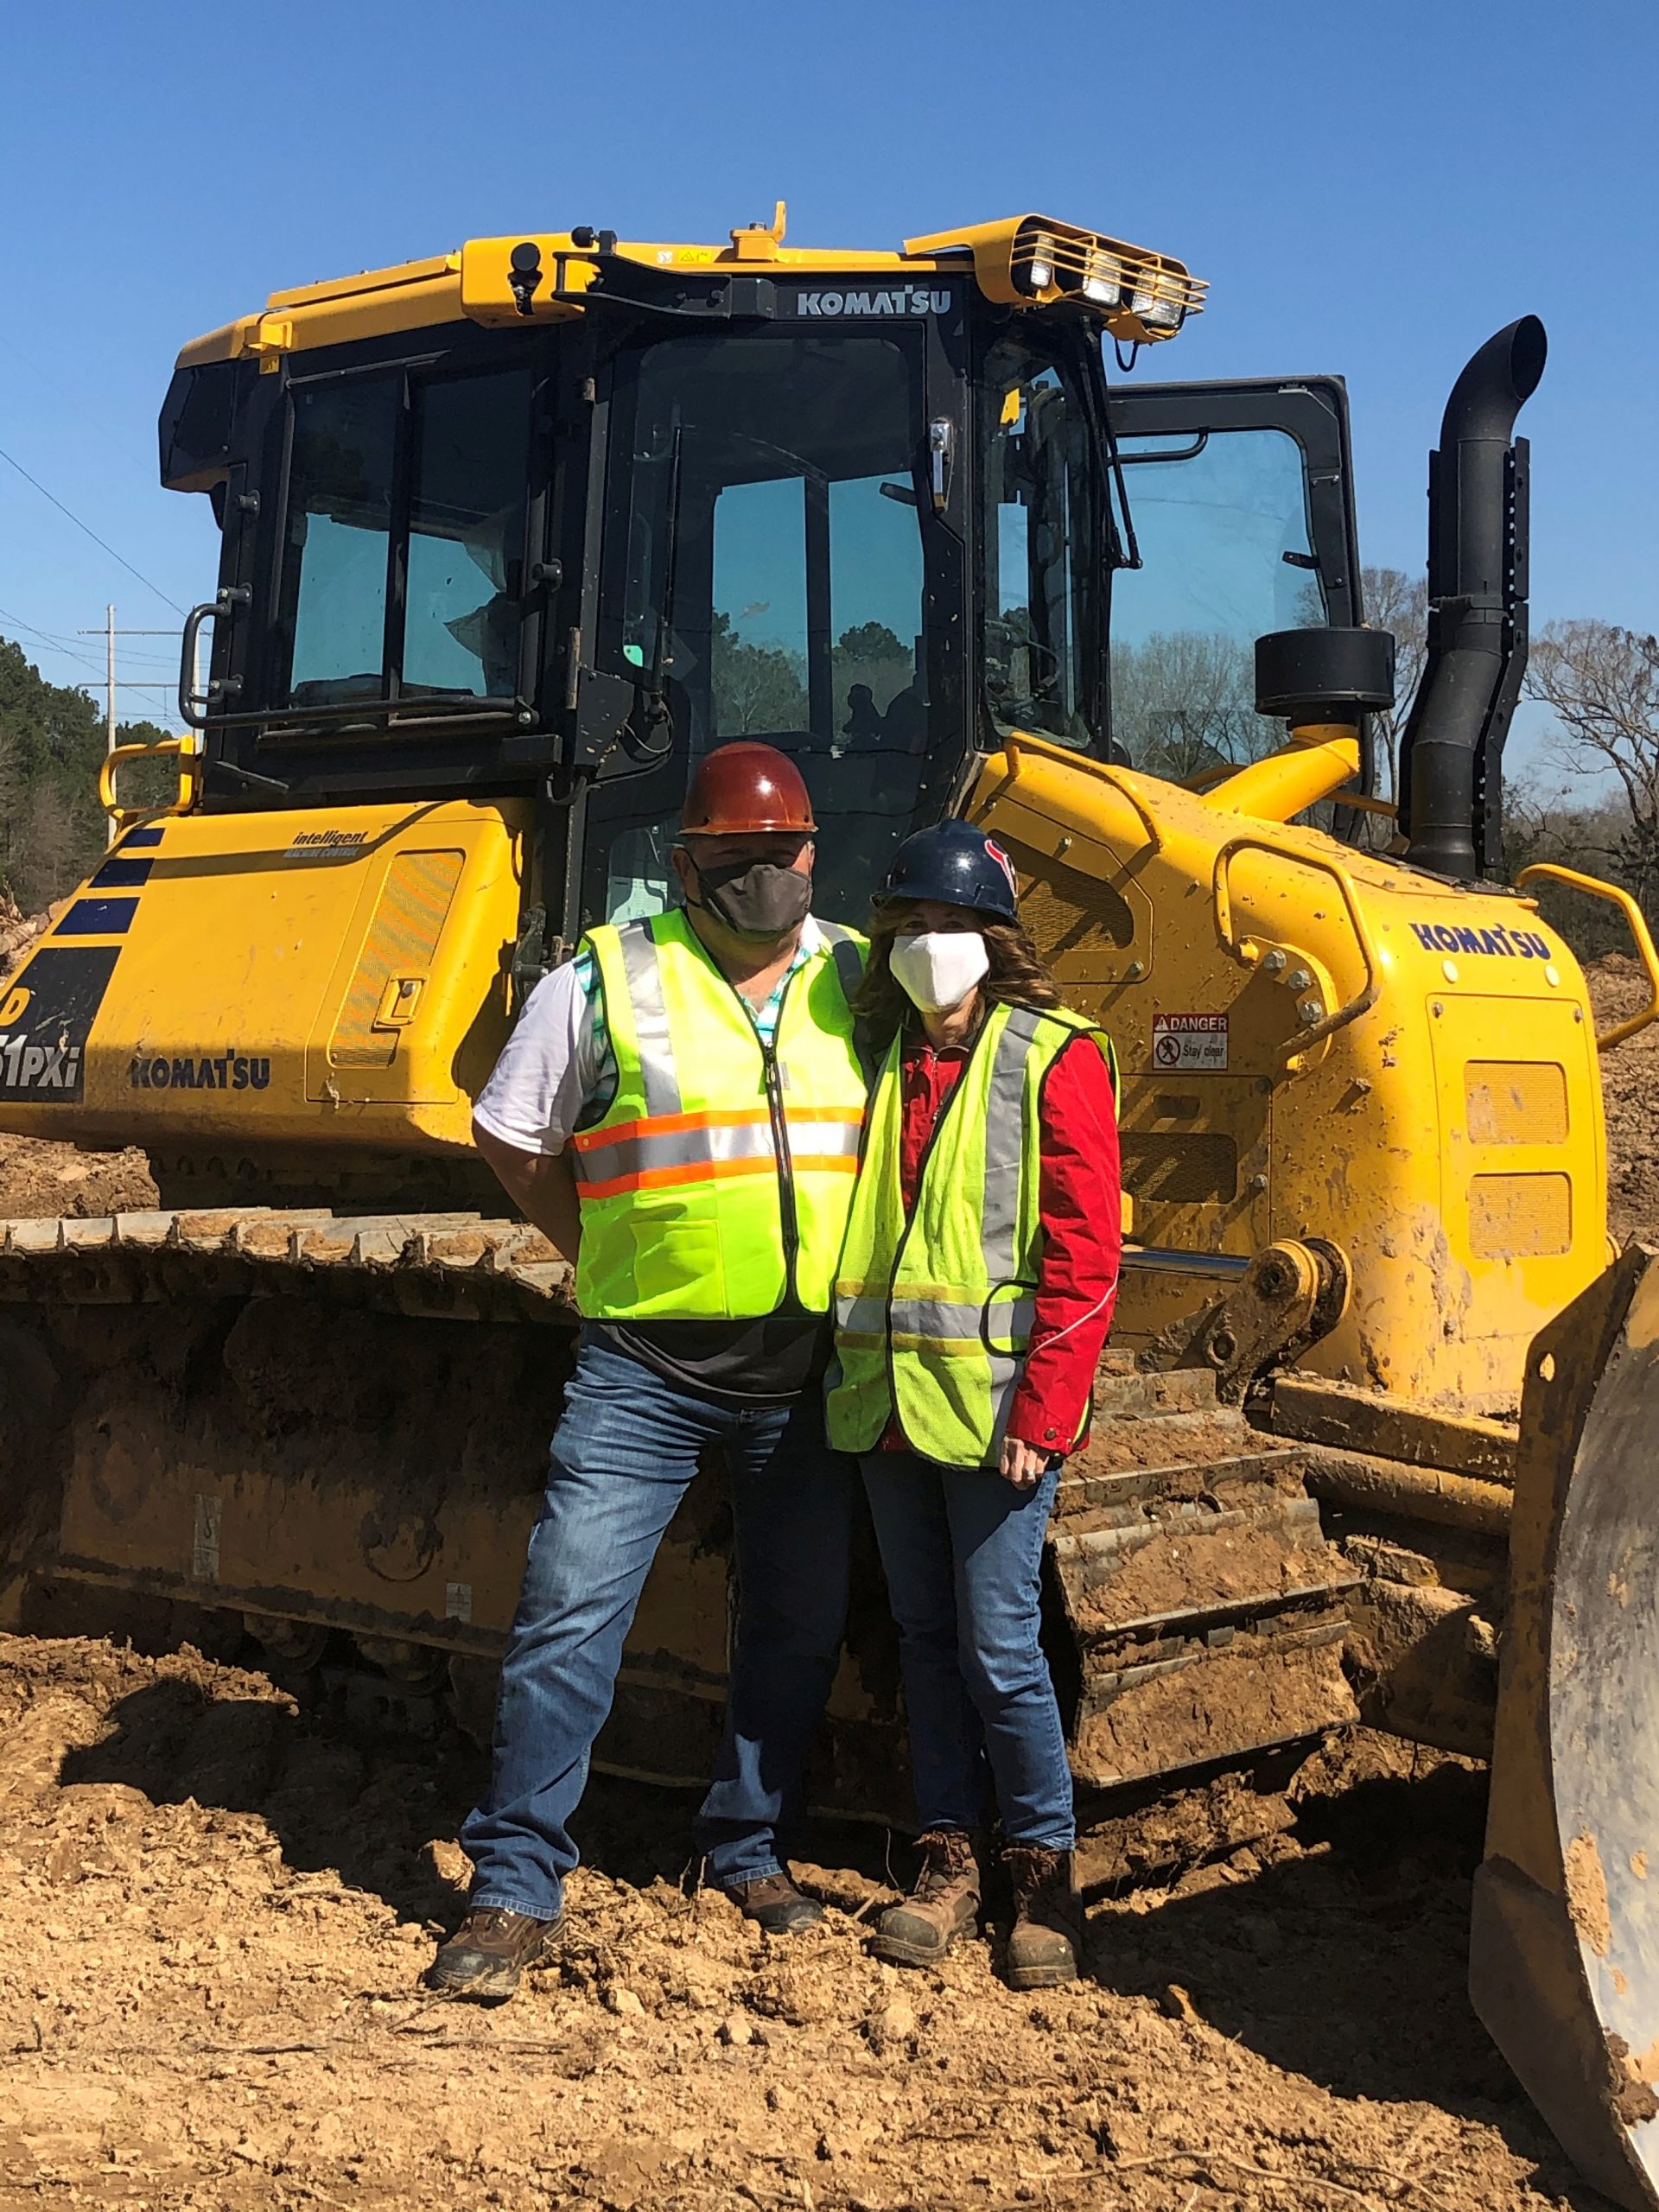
<point>895,298</point>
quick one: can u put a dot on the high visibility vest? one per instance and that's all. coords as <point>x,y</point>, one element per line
<point>716,1187</point>
<point>934,1312</point>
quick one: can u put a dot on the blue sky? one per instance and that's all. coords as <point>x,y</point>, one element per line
<point>1369,191</point>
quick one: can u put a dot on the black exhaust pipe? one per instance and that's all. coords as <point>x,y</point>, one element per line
<point>1452,755</point>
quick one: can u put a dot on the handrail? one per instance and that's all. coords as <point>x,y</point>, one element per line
<point>1593,887</point>
<point>1367,998</point>
<point>189,762</point>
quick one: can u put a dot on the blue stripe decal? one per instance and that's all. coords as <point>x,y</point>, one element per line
<point>98,917</point>
<point>141,837</point>
<point>119,875</point>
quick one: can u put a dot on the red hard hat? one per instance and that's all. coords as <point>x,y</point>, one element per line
<point>746,787</point>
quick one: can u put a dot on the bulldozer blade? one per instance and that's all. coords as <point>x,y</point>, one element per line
<point>1564,1953</point>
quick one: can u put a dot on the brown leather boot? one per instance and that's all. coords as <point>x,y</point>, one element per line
<point>945,1902</point>
<point>488,1952</point>
<point>1046,1938</point>
<point>775,1903</point>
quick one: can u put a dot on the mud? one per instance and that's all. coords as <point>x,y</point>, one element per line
<point>1247,1694</point>
<point>218,1910</point>
<point>1189,1567</point>
<point>1629,1077</point>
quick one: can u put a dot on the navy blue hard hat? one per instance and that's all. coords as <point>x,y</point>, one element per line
<point>956,865</point>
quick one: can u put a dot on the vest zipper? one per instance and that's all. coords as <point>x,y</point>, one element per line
<point>788,1215</point>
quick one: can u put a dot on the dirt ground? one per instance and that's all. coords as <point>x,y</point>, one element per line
<point>43,1179</point>
<point>1630,1078</point>
<point>218,1902</point>
<point>217,1908</point>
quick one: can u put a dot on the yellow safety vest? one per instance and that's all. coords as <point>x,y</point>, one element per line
<point>934,1313</point>
<point>716,1187</point>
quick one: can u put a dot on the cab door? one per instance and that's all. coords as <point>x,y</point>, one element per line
<point>1241,515</point>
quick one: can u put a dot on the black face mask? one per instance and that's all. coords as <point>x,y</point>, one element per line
<point>757,900</point>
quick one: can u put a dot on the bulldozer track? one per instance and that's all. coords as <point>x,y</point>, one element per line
<point>437,1266</point>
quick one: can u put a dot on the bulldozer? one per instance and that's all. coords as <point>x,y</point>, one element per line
<point>510,538</point>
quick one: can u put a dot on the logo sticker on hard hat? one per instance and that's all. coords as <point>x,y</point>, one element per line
<point>1004,863</point>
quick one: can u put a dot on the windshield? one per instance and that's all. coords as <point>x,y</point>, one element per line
<point>1221,518</point>
<point>1042,557</point>
<point>764,573</point>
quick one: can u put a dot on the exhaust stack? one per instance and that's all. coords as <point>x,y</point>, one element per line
<point>1451,767</point>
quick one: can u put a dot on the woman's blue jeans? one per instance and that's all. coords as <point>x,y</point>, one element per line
<point>622,1457</point>
<point>963,1553</point>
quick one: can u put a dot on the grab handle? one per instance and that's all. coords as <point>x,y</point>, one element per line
<point>189,763</point>
<point>1593,887</point>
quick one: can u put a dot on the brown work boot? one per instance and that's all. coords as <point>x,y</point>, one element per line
<point>773,1903</point>
<point>945,1902</point>
<point>488,1952</point>
<point>1046,1938</point>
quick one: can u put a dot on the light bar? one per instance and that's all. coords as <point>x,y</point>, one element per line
<point>1033,261</point>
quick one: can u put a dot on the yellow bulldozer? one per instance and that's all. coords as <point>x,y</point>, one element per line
<point>510,538</point>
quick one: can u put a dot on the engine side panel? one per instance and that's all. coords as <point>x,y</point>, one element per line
<point>1448,1137</point>
<point>332,975</point>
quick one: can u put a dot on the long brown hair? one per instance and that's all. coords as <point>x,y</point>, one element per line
<point>1017,975</point>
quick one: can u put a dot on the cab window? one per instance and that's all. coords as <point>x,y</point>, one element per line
<point>1222,522</point>
<point>403,540</point>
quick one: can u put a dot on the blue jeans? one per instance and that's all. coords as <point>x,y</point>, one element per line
<point>623,1452</point>
<point>963,1553</point>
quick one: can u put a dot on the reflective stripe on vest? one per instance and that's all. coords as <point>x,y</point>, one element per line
<point>687,1207</point>
<point>934,1312</point>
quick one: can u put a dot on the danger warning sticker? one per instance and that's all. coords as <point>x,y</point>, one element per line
<point>1196,1042</point>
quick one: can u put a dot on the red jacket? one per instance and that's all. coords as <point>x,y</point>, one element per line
<point>1081,1210</point>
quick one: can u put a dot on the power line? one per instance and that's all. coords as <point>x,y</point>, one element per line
<point>52,643</point>
<point>90,532</point>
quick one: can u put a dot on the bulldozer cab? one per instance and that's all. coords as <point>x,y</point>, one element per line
<point>881,527</point>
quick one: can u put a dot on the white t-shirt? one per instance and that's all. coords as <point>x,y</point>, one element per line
<point>558,1060</point>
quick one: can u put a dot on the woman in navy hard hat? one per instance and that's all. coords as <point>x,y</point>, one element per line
<point>975,1293</point>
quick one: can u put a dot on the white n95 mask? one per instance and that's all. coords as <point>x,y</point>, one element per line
<point>936,969</point>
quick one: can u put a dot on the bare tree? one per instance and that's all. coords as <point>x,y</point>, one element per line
<point>11,801</point>
<point>1399,602</point>
<point>1184,702</point>
<point>1602,685</point>
<point>46,859</point>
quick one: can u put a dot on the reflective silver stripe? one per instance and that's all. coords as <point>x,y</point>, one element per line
<point>642,965</point>
<point>683,1148</point>
<point>862,1317</point>
<point>1005,1377</point>
<point>1005,1145</point>
<point>810,1139</point>
<point>850,962</point>
<point>1006,1322</point>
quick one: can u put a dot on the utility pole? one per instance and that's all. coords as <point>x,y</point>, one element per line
<point>109,680</point>
<point>112,683</point>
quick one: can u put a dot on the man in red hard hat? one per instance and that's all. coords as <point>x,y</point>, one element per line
<point>679,1109</point>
